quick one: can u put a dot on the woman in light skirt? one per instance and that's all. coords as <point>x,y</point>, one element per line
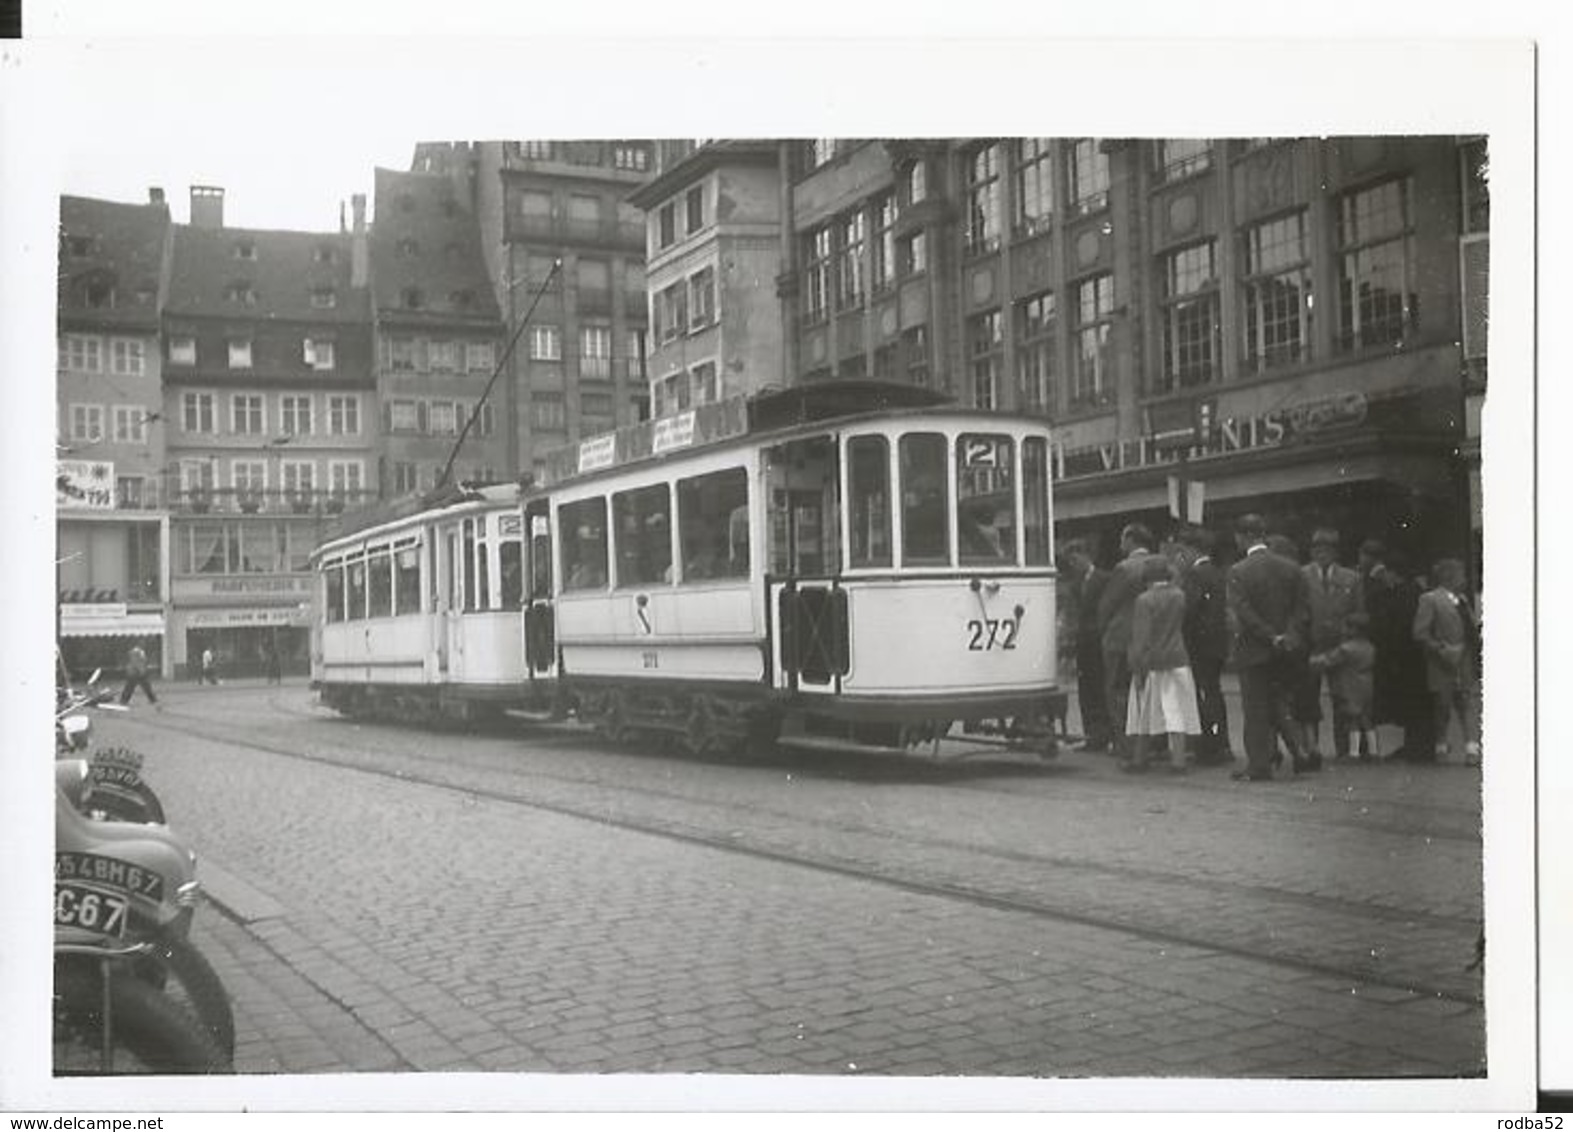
<point>1163,694</point>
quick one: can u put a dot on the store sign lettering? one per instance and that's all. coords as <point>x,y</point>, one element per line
<point>85,485</point>
<point>1233,434</point>
<point>257,585</point>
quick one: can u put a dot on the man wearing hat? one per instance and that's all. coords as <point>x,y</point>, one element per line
<point>1335,594</point>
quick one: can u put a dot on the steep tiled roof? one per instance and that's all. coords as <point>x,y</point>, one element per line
<point>111,248</point>
<point>427,239</point>
<point>215,269</point>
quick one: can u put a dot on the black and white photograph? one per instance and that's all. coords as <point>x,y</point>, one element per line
<point>930,616</point>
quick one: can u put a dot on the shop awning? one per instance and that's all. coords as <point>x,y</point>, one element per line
<point>113,625</point>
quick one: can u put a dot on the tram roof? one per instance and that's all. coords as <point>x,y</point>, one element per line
<point>772,411</point>
<point>377,518</point>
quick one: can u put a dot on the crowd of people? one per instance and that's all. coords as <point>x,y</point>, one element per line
<point>1154,634</point>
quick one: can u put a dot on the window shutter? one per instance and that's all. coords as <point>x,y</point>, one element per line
<point>422,416</point>
<point>387,416</point>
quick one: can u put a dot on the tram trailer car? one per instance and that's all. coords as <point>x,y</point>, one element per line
<point>421,618</point>
<point>863,562</point>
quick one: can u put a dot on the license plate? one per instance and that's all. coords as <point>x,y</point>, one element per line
<point>91,910</point>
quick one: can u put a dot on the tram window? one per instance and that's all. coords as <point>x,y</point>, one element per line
<point>925,504</point>
<point>379,583</point>
<point>541,557</point>
<point>712,516</point>
<point>1035,527</point>
<point>510,565</point>
<point>355,592</point>
<point>510,560</point>
<point>985,499</point>
<point>868,485</point>
<point>333,580</point>
<point>583,527</point>
<point>477,578</point>
<point>407,580</point>
<point>644,535</point>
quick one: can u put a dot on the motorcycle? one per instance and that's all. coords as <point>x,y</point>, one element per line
<point>120,793</point>
<point>122,881</point>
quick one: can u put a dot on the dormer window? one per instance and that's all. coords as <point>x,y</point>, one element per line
<point>412,299</point>
<point>245,249</point>
<point>322,253</point>
<point>98,293</point>
<point>147,295</point>
<point>324,298</point>
<point>461,300</point>
<point>241,293</point>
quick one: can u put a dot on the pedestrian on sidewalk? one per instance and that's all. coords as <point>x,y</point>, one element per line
<point>1162,703</point>
<point>1114,621</point>
<point>136,676</point>
<point>1207,645</point>
<point>1446,629</point>
<point>1091,695</point>
<point>1349,669</point>
<point>1402,697</point>
<point>209,667</point>
<point>1267,613</point>
<point>1334,594</point>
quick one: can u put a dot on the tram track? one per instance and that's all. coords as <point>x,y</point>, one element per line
<point>785,845</point>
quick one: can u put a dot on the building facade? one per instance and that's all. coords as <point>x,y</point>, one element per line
<point>113,527</point>
<point>713,255</point>
<point>437,337</point>
<point>565,253</point>
<point>1296,303</point>
<point>270,399</point>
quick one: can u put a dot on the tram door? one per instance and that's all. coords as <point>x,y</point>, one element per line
<point>803,544</point>
<point>540,630</point>
<point>451,599</point>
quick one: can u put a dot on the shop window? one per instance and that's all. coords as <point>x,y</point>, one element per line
<point>582,526</point>
<point>643,519</point>
<point>868,487</point>
<point>925,502</point>
<point>712,513</point>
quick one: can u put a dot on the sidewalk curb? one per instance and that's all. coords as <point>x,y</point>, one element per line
<point>236,899</point>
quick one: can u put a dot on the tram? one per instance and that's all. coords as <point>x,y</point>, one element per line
<point>860,563</point>
<point>423,616</point>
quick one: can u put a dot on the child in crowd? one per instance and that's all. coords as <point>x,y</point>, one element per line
<point>1163,693</point>
<point>1352,662</point>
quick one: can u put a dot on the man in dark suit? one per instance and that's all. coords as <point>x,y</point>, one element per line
<point>1268,614</point>
<point>1114,621</point>
<point>1090,692</point>
<point>1336,593</point>
<point>1391,599</point>
<point>1207,643</point>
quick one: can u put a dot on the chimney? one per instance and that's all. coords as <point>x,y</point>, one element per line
<point>155,195</point>
<point>359,259</point>
<point>207,206</point>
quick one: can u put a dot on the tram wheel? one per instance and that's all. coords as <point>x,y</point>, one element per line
<point>700,735</point>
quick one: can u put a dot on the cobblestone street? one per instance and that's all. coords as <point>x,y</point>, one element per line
<point>541,902</point>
